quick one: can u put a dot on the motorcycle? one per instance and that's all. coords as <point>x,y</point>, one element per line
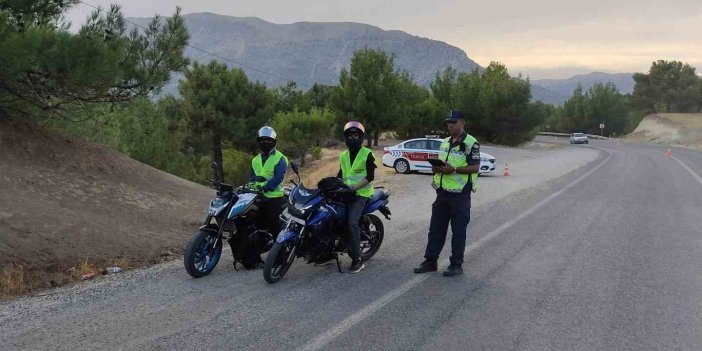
<point>315,226</point>
<point>231,216</point>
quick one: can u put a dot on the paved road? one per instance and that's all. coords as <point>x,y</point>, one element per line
<point>606,257</point>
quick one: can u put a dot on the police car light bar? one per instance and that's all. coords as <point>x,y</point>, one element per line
<point>431,136</point>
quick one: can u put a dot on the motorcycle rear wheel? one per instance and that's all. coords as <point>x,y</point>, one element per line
<point>372,235</point>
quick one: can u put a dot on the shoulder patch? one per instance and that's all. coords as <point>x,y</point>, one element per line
<point>475,151</point>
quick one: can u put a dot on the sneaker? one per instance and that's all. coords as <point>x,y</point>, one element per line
<point>426,266</point>
<point>453,270</point>
<point>356,266</point>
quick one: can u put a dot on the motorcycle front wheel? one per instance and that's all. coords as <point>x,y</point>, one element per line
<point>278,261</point>
<point>202,253</point>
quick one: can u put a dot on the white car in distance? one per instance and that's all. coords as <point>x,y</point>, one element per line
<point>579,138</point>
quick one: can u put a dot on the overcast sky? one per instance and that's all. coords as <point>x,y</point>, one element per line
<point>541,38</point>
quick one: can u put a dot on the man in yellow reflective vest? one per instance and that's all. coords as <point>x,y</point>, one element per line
<point>454,182</point>
<point>267,171</point>
<point>357,171</point>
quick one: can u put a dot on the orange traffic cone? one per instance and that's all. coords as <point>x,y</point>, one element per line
<point>669,153</point>
<point>506,170</point>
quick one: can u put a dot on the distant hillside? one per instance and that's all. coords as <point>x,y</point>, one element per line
<point>565,87</point>
<point>542,94</point>
<point>308,52</point>
<point>312,52</point>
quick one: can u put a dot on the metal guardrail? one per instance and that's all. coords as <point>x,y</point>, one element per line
<point>567,135</point>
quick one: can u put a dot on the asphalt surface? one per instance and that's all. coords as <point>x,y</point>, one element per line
<point>606,257</point>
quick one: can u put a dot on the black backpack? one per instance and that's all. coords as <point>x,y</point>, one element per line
<point>245,250</point>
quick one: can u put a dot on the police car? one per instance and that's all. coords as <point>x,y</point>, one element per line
<point>412,155</point>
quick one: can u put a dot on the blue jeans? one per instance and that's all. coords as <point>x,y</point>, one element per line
<point>354,209</point>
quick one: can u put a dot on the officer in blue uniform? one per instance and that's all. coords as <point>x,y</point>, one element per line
<point>454,182</point>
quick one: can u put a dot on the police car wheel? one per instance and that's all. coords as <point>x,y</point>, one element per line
<point>402,166</point>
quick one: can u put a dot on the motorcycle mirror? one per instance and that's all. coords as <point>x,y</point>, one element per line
<point>295,168</point>
<point>217,172</point>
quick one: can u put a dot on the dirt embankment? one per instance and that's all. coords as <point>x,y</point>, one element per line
<point>68,207</point>
<point>679,129</point>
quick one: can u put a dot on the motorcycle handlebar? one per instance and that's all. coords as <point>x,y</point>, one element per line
<point>343,190</point>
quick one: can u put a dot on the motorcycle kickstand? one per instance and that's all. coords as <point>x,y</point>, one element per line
<point>338,263</point>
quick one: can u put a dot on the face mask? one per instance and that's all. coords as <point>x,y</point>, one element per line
<point>266,147</point>
<point>354,144</point>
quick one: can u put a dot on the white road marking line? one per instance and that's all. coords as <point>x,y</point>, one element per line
<point>697,177</point>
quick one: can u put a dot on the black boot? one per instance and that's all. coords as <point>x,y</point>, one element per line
<point>426,266</point>
<point>453,270</point>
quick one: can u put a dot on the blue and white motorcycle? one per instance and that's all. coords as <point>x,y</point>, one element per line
<point>315,226</point>
<point>231,216</point>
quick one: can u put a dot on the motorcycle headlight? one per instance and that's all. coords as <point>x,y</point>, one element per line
<point>296,212</point>
<point>300,212</point>
<point>216,205</point>
<point>217,202</point>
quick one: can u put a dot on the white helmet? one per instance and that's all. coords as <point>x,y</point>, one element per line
<point>267,132</point>
<point>354,126</point>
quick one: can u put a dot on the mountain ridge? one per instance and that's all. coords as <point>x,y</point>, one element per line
<point>315,52</point>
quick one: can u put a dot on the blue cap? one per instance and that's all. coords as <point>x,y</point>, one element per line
<point>454,115</point>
